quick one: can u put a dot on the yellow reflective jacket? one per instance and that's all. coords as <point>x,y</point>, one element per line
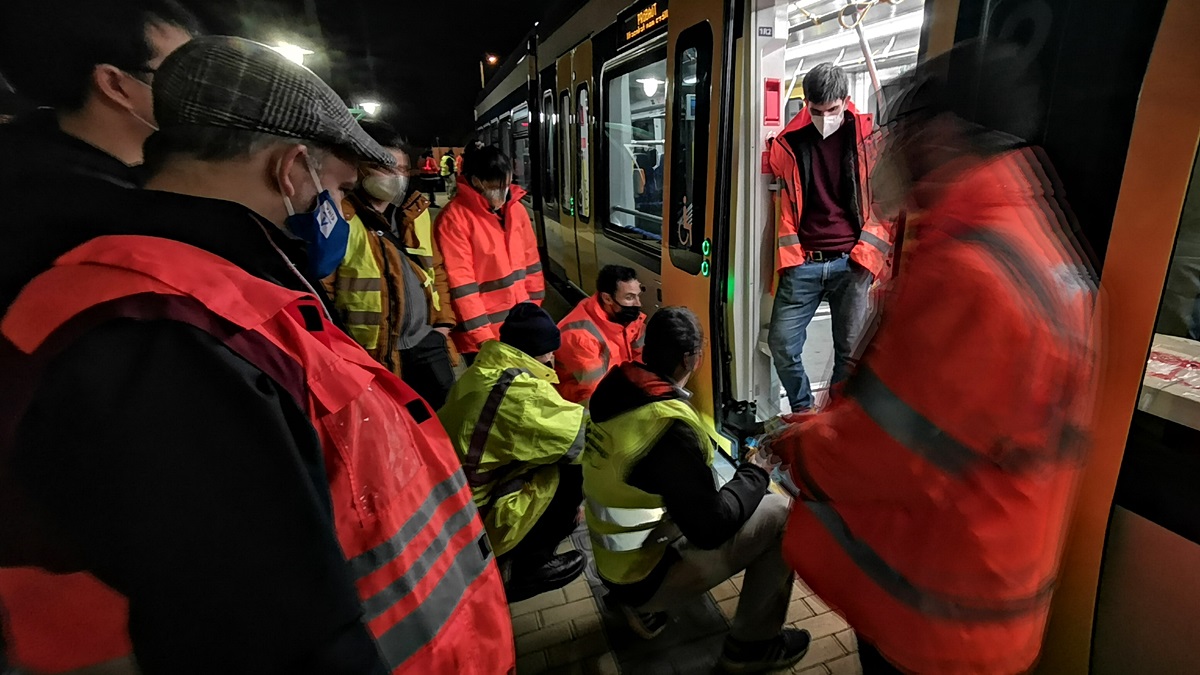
<point>510,427</point>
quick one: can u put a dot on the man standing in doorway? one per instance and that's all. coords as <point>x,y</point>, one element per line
<point>828,244</point>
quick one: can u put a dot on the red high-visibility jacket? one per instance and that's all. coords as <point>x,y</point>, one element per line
<point>591,344</point>
<point>936,486</point>
<point>403,513</point>
<point>491,260</point>
<point>875,240</point>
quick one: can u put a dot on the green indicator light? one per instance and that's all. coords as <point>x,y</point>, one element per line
<point>706,247</point>
<point>704,268</point>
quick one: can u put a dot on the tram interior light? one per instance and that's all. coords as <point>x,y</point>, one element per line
<point>690,80</point>
<point>291,52</point>
<point>649,85</point>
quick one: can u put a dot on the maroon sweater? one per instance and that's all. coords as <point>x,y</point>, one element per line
<point>825,224</point>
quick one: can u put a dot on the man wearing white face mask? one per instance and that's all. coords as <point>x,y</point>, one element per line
<point>391,303</point>
<point>830,246</point>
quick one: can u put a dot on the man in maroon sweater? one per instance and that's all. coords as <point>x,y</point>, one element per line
<point>828,248</point>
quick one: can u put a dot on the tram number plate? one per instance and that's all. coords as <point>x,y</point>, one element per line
<point>766,31</point>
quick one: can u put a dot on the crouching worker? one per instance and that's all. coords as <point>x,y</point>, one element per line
<point>661,530</point>
<point>519,442</point>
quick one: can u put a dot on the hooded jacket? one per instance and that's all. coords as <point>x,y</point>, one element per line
<point>491,261</point>
<point>675,468</point>
<point>874,246</point>
<point>591,345</point>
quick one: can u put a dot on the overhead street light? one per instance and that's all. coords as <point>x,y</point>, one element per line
<point>293,53</point>
<point>370,107</point>
<point>491,60</point>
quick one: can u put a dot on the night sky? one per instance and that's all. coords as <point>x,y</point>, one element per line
<point>420,58</point>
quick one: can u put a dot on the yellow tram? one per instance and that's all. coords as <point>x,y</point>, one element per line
<point>640,131</point>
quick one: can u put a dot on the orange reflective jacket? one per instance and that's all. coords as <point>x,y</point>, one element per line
<point>875,240</point>
<point>404,516</point>
<point>491,260</point>
<point>935,487</point>
<point>591,344</point>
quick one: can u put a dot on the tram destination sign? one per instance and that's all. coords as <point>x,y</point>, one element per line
<point>641,21</point>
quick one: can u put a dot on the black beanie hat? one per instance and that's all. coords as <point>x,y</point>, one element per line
<point>530,329</point>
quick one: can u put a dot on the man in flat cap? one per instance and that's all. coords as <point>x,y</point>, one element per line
<point>183,428</point>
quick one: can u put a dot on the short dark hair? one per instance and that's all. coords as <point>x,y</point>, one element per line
<point>49,48</point>
<point>488,164</point>
<point>383,133</point>
<point>826,83</point>
<point>672,334</point>
<point>611,275</point>
<point>213,144</point>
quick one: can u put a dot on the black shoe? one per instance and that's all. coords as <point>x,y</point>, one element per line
<point>783,651</point>
<point>647,625</point>
<point>562,569</point>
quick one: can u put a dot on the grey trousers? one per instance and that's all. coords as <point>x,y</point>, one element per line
<point>757,549</point>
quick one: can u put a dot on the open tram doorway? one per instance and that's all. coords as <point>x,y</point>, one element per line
<point>872,42</point>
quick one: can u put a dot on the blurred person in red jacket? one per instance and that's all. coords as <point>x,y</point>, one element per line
<point>934,490</point>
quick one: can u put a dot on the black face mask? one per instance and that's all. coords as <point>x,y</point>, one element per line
<point>626,314</point>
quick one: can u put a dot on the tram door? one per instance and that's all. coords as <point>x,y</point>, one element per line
<point>696,184</point>
<point>575,114</point>
<point>565,106</point>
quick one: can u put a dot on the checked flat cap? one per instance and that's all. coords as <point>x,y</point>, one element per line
<point>234,83</point>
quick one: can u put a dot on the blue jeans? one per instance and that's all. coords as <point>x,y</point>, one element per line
<point>800,291</point>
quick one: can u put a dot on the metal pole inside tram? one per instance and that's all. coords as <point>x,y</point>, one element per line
<point>870,59</point>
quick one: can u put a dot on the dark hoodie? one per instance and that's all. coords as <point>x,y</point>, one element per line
<point>675,469</point>
<point>181,475</point>
<point>34,147</point>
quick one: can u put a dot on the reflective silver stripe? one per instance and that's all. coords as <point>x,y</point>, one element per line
<point>498,317</point>
<point>354,284</point>
<point>419,628</point>
<point>377,604</point>
<point>537,295</point>
<point>584,324</point>
<point>360,318</point>
<point>577,445</point>
<point>370,561</point>
<point>640,341</point>
<point>645,518</point>
<point>908,427</point>
<point>459,292</point>
<point>630,541</point>
<point>483,427</point>
<point>483,320</point>
<point>589,376</point>
<point>502,283</point>
<point>884,247</point>
<point>534,268</point>
<point>789,240</point>
<point>930,603</point>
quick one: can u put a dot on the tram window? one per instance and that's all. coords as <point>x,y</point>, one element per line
<point>520,147</point>
<point>564,106</point>
<point>635,134</point>
<point>689,147</point>
<point>1171,386</point>
<point>550,150</point>
<point>506,137</point>
<point>583,167</point>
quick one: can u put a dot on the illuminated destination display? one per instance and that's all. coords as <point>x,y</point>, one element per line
<point>641,21</point>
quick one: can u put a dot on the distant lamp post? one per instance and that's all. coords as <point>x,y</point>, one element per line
<point>370,107</point>
<point>293,53</point>
<point>491,60</point>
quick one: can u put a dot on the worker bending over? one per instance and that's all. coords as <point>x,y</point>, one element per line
<point>519,442</point>
<point>661,531</point>
<point>935,491</point>
<point>604,330</point>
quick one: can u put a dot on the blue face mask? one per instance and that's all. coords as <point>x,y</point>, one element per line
<point>324,231</point>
